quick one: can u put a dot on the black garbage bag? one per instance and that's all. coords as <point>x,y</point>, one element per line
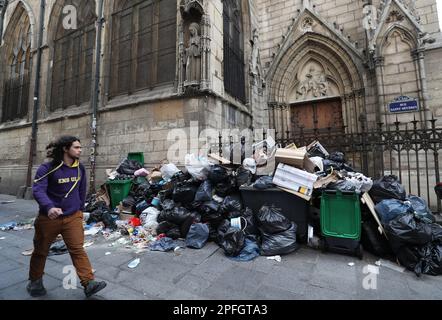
<point>251,228</point>
<point>408,230</point>
<point>438,190</point>
<point>168,204</point>
<point>129,201</point>
<point>204,192</point>
<point>165,226</point>
<point>141,186</point>
<point>271,221</point>
<point>102,213</point>
<point>197,236</point>
<point>174,233</point>
<point>128,167</point>
<point>420,207</point>
<point>337,157</point>
<point>436,232</point>
<point>58,248</point>
<point>217,174</point>
<point>336,166</point>
<point>231,204</point>
<point>388,187</point>
<point>280,243</point>
<point>213,232</point>
<point>431,259</point>
<point>373,241</point>
<point>410,258</point>
<point>243,177</point>
<point>231,240</point>
<point>177,215</point>
<point>141,206</point>
<point>194,217</point>
<point>223,189</point>
<point>265,182</point>
<point>184,192</point>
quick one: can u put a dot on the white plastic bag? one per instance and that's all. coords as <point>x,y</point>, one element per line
<point>198,167</point>
<point>168,171</point>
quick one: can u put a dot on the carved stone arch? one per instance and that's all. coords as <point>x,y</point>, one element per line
<point>406,35</point>
<point>20,8</point>
<point>320,46</point>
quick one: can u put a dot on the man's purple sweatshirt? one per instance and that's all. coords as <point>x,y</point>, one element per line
<point>50,191</point>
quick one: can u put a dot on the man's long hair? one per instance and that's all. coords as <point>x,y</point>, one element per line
<point>55,150</point>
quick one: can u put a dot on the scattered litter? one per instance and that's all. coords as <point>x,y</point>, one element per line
<point>58,248</point>
<point>276,258</point>
<point>88,244</point>
<point>7,202</point>
<point>378,263</point>
<point>134,263</point>
<point>2,238</point>
<point>390,265</point>
<point>92,231</point>
<point>108,253</point>
<point>27,252</point>
<point>351,264</point>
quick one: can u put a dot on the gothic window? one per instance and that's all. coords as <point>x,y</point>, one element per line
<point>73,57</point>
<point>143,48</point>
<point>18,68</point>
<point>234,79</point>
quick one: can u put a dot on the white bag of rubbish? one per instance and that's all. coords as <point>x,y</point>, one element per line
<point>149,219</point>
<point>198,167</point>
<point>168,171</point>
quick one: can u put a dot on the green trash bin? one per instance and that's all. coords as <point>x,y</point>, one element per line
<point>137,156</point>
<point>118,189</point>
<point>341,222</point>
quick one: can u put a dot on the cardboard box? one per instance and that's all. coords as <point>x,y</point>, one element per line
<point>295,180</point>
<point>295,157</point>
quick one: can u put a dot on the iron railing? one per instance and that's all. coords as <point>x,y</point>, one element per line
<point>411,151</point>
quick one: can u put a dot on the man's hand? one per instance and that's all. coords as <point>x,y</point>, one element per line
<point>54,213</point>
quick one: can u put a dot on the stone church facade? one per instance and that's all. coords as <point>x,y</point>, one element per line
<point>213,64</point>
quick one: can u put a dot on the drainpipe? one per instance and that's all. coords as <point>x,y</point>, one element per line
<point>3,6</point>
<point>36,95</point>
<point>96,95</point>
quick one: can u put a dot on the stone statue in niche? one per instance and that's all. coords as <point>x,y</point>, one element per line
<point>193,56</point>
<point>255,54</point>
<point>315,85</point>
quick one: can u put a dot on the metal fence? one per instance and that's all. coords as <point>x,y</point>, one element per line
<point>412,151</point>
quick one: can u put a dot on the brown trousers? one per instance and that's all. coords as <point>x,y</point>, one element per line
<point>46,231</point>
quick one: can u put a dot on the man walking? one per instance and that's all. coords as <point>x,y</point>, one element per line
<point>60,190</point>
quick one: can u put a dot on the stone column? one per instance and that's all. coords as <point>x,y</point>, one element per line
<point>205,59</point>
<point>379,65</point>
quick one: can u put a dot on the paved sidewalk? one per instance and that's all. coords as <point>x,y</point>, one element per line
<point>203,274</point>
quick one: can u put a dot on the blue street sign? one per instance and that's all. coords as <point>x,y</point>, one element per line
<point>404,104</point>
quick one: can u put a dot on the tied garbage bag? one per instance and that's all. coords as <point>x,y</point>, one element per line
<point>223,189</point>
<point>194,217</point>
<point>184,192</point>
<point>249,252</point>
<point>231,206</point>
<point>243,176</point>
<point>391,209</point>
<point>176,216</point>
<point>197,236</point>
<point>129,167</point>
<point>263,183</point>
<point>197,167</point>
<point>387,187</point>
<point>204,192</point>
<point>217,174</point>
<point>58,248</point>
<point>168,171</point>
<point>408,230</point>
<point>271,221</point>
<point>232,240</point>
<point>279,243</point>
<point>102,213</point>
<point>337,157</point>
<point>164,245</point>
<point>420,207</point>
<point>431,261</point>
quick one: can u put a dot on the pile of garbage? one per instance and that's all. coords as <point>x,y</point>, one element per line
<point>168,207</point>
